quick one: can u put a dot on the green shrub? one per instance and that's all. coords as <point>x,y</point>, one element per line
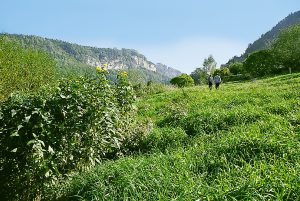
<point>240,77</point>
<point>183,80</point>
<point>74,126</point>
<point>261,63</point>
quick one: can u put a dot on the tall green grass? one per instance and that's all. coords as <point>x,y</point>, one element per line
<point>241,142</point>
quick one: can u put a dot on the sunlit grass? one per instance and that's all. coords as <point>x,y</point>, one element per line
<point>241,142</point>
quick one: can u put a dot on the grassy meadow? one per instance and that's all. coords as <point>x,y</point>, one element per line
<point>241,142</point>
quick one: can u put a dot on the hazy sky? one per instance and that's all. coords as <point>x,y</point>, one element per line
<point>178,33</point>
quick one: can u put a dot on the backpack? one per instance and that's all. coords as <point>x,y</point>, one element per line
<point>217,79</point>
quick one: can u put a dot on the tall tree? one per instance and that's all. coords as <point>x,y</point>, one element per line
<point>286,47</point>
<point>209,64</point>
<point>199,76</point>
<point>261,63</point>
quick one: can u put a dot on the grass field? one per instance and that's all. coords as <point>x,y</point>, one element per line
<point>241,142</point>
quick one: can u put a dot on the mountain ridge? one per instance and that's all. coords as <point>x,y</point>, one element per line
<point>267,38</point>
<point>72,55</point>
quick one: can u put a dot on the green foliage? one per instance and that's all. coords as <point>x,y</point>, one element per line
<point>183,80</point>
<point>74,126</point>
<point>209,64</point>
<point>236,68</point>
<point>261,63</point>
<point>283,54</point>
<point>266,39</point>
<point>222,72</point>
<point>286,48</point>
<point>199,76</point>
<point>235,78</point>
<point>23,69</point>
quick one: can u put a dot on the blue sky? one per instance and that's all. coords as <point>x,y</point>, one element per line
<point>178,33</point>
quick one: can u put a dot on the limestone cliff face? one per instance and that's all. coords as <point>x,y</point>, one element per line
<point>165,70</point>
<point>117,59</point>
<point>69,54</point>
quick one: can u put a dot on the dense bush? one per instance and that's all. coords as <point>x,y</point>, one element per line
<point>261,63</point>
<point>74,126</point>
<point>236,68</point>
<point>224,71</point>
<point>183,80</point>
<point>232,78</point>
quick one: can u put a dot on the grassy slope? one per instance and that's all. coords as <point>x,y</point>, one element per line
<point>241,142</point>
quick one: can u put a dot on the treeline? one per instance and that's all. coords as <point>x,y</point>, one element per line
<point>282,56</point>
<point>266,40</point>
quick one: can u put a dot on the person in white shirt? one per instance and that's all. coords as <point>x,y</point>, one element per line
<point>217,80</point>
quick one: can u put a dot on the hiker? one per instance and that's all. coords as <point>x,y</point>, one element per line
<point>217,80</point>
<point>210,81</point>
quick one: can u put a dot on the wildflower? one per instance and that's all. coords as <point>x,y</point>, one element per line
<point>125,74</point>
<point>98,69</point>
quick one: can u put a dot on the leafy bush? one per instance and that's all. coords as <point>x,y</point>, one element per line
<point>232,78</point>
<point>222,72</point>
<point>183,80</point>
<point>74,126</point>
<point>236,68</point>
<point>261,63</point>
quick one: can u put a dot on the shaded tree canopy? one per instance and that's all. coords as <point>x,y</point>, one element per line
<point>287,47</point>
<point>260,63</point>
<point>236,68</point>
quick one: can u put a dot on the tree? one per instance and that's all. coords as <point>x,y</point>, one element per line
<point>222,72</point>
<point>183,80</point>
<point>199,76</point>
<point>209,64</point>
<point>236,68</point>
<point>261,63</point>
<point>286,47</point>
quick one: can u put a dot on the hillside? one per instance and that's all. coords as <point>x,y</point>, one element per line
<point>239,143</point>
<point>78,58</point>
<point>266,39</point>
